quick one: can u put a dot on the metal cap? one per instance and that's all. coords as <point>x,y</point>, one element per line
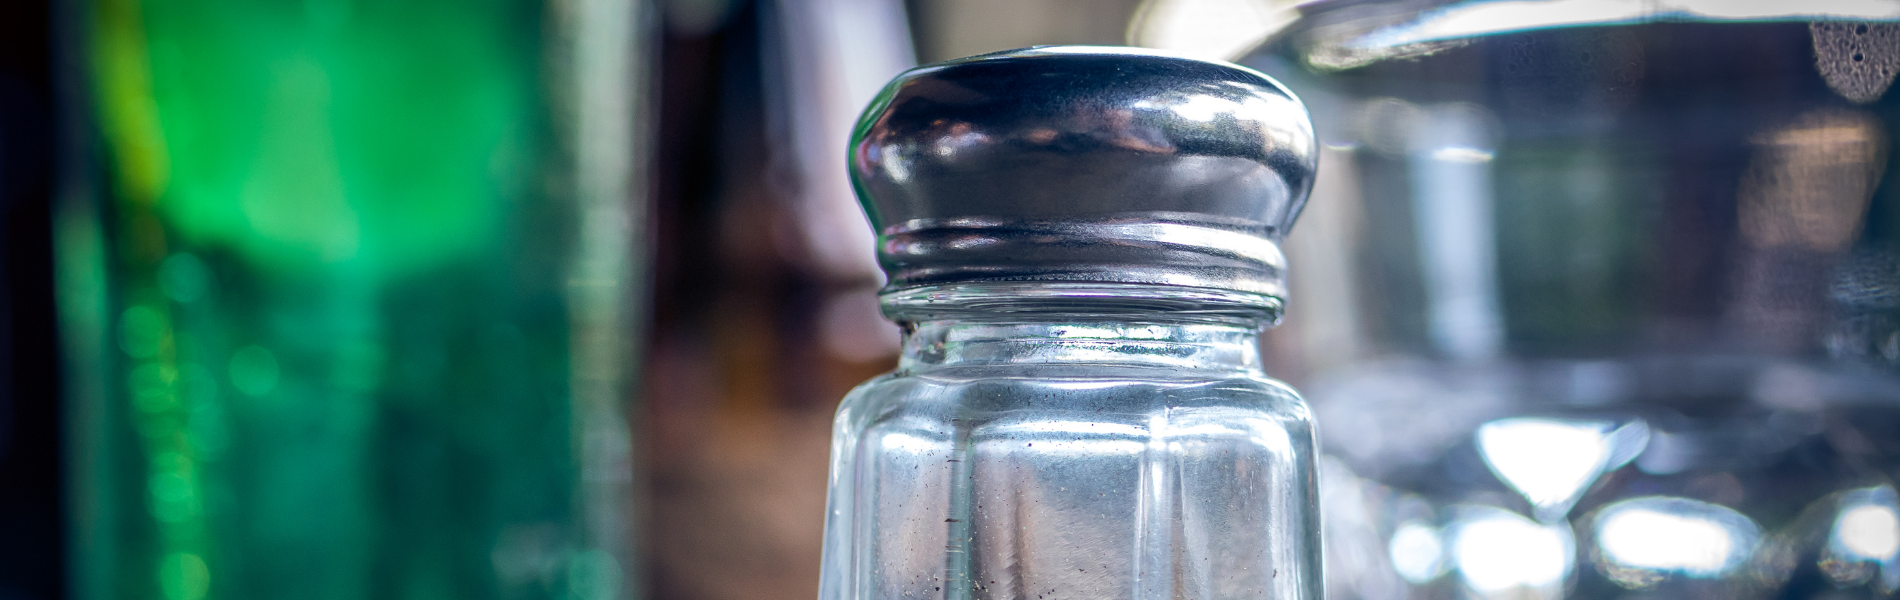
<point>1084,164</point>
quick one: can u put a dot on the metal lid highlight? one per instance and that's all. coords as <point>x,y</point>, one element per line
<point>1084,164</point>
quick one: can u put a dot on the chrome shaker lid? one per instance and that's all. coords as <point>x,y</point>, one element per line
<point>1084,164</point>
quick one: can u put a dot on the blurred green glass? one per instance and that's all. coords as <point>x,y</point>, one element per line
<point>347,294</point>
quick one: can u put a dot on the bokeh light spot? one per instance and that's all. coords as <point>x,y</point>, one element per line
<point>142,330</point>
<point>593,575</point>
<point>183,277</point>
<point>183,576</point>
<point>254,370</point>
<point>172,496</point>
<point>1498,550</point>
<point>153,389</point>
<point>1417,553</point>
<point>1644,537</point>
<point>1550,461</point>
<point>1869,530</point>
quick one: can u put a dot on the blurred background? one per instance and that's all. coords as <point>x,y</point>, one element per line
<point>426,299</point>
<point>555,298</point>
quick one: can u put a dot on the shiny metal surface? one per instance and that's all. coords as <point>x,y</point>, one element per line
<point>1084,164</point>
<point>1600,304</point>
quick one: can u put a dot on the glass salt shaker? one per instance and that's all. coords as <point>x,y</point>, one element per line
<point>1082,246</point>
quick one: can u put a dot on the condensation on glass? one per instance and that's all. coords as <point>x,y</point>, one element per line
<point>1082,249</point>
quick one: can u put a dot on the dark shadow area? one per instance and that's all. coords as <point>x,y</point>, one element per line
<point>32,549</point>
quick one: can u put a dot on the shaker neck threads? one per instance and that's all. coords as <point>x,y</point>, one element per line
<point>996,301</point>
<point>1187,349</point>
<point>1162,248</point>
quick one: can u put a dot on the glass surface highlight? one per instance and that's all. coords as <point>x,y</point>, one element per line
<point>1069,456</point>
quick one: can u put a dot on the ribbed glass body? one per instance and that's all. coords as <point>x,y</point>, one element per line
<point>1080,443</point>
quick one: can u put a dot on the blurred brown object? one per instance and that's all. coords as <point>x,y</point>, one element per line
<point>738,399</point>
<point>758,328</point>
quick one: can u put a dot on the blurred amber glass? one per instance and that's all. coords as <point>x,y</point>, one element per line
<point>347,291</point>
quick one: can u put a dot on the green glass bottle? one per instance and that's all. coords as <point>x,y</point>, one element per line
<point>348,293</point>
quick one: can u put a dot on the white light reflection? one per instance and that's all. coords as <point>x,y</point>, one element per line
<point>1467,19</point>
<point>1453,206</point>
<point>1212,29</point>
<point>1498,551</point>
<point>1417,553</point>
<point>1246,245</point>
<point>906,444</point>
<point>1863,545</point>
<point>1552,462</point>
<point>1641,538</point>
<point>1460,154</point>
<point>1215,431</point>
<point>893,157</point>
<point>1204,108</point>
<point>959,138</point>
<point>1082,384</point>
<point>1869,531</point>
<point>1868,528</point>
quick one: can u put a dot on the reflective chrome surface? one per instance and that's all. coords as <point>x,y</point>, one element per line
<point>1088,164</point>
<point>1596,307</point>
